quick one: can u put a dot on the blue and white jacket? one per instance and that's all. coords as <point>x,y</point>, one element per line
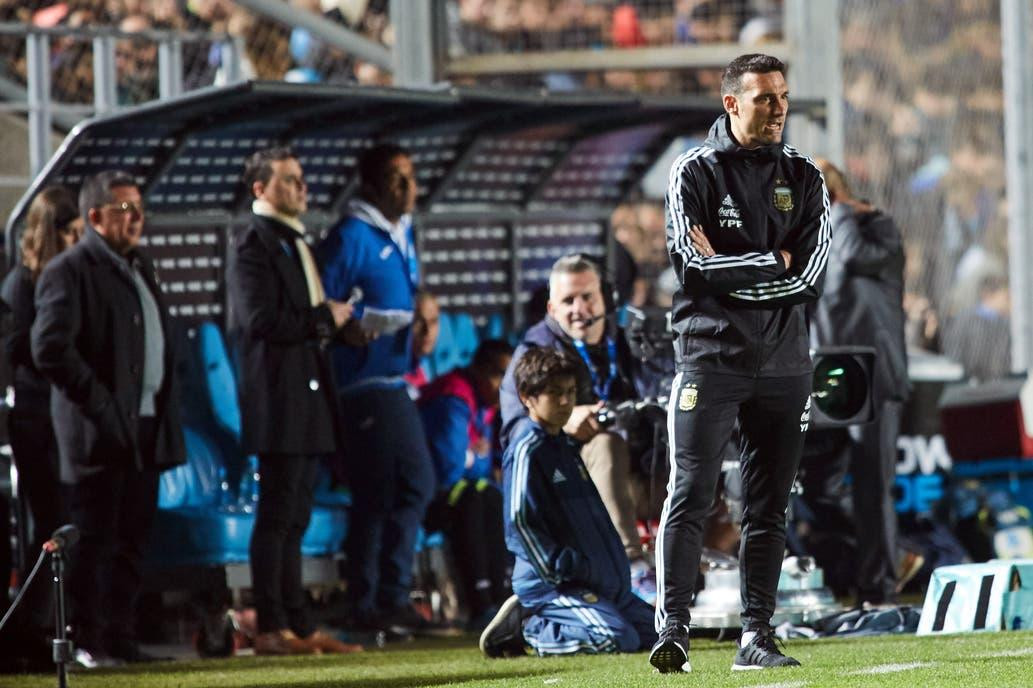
<point>556,524</point>
<point>368,251</point>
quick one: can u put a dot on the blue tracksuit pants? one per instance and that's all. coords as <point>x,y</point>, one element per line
<point>576,620</point>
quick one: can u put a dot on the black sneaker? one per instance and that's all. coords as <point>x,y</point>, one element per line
<point>671,652</point>
<point>504,634</point>
<point>761,653</point>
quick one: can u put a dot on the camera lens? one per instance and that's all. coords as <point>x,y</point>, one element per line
<point>840,387</point>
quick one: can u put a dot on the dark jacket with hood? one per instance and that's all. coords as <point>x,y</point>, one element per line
<point>864,295</point>
<point>740,311</point>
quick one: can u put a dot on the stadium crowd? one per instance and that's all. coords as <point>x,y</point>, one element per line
<point>274,51</point>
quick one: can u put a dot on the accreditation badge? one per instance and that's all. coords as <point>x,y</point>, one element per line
<point>783,196</point>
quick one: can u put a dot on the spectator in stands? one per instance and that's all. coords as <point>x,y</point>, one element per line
<point>426,325</point>
<point>577,324</point>
<point>102,339</point>
<point>136,63</point>
<point>980,337</point>
<point>283,321</point>
<point>392,478</point>
<point>458,412</point>
<point>53,225</point>
<point>863,304</point>
<point>571,574</point>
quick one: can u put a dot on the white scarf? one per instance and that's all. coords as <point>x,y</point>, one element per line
<point>315,286</point>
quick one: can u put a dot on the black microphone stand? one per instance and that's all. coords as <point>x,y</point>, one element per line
<point>62,646</point>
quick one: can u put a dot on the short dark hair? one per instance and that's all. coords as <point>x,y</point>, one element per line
<point>259,165</point>
<point>490,352</point>
<point>373,164</point>
<point>96,190</point>
<point>753,63</point>
<point>538,367</point>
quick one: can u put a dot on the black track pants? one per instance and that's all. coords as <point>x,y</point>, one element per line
<point>704,406</point>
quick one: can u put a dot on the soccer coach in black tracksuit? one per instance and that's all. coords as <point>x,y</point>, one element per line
<point>748,236</point>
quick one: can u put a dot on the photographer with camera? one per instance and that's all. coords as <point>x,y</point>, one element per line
<point>576,324</point>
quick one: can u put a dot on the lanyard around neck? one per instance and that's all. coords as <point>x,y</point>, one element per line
<point>601,390</point>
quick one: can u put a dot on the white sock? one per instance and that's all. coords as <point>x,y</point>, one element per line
<point>747,636</point>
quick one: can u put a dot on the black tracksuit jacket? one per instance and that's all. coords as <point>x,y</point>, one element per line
<point>740,310</point>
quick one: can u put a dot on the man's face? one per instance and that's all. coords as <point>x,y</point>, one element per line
<point>398,188</point>
<point>426,326</point>
<point>576,303</point>
<point>285,190</point>
<point>552,408</point>
<point>120,220</point>
<point>758,113</point>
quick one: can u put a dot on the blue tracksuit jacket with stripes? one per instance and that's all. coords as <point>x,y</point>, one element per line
<point>556,524</point>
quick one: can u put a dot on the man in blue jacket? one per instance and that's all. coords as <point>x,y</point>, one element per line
<point>571,576</point>
<point>392,480</point>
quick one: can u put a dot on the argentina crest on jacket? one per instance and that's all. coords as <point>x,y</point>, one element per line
<point>783,196</point>
<point>687,398</point>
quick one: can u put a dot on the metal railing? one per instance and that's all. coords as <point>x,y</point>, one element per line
<point>158,54</point>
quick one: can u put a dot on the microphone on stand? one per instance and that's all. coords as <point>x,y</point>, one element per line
<point>63,648</point>
<point>62,538</point>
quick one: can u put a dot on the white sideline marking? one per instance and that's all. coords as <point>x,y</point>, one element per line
<point>1021,652</point>
<point>892,668</point>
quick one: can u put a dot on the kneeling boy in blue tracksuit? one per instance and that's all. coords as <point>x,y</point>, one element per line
<point>571,575</point>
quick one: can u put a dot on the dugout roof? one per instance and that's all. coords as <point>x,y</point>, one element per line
<point>508,179</point>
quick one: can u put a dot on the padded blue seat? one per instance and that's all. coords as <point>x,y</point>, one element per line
<point>200,521</point>
<point>219,383</point>
<point>493,328</point>
<point>215,536</point>
<point>464,338</point>
<point>443,358</point>
<point>196,482</point>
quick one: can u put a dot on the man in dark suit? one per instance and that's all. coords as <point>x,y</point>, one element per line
<point>283,321</point>
<point>101,337</point>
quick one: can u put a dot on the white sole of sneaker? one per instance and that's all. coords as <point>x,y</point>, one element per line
<point>504,611</point>
<point>747,667</point>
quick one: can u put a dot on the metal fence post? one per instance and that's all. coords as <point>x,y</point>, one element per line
<point>37,52</point>
<point>105,95</point>
<point>816,71</point>
<point>170,67</point>
<point>418,27</point>
<point>231,51</point>
<point>1017,64</point>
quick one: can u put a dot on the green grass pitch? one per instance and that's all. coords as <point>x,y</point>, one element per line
<point>968,661</point>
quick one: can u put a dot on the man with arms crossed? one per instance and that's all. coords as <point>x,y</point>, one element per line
<point>748,236</point>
